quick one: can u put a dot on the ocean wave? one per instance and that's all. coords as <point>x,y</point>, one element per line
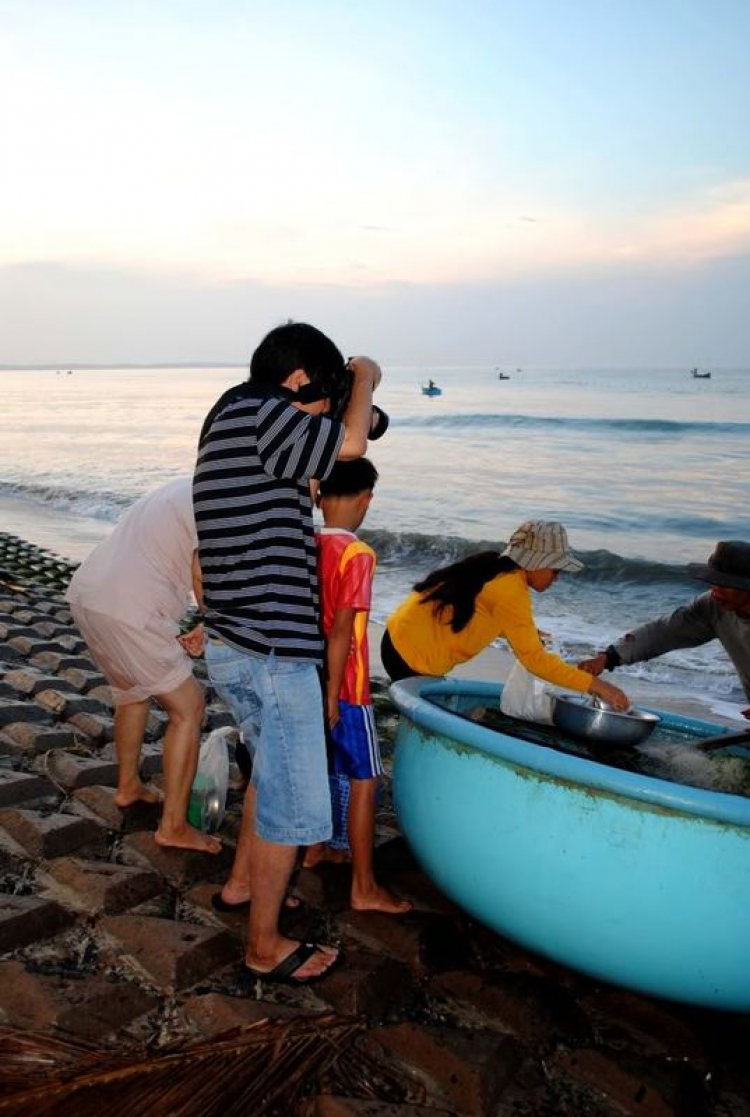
<point>485,420</point>
<point>426,552</point>
<point>99,505</point>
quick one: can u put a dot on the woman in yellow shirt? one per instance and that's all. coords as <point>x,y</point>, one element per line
<point>457,611</point>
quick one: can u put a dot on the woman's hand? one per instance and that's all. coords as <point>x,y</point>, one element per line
<point>612,695</point>
<point>192,641</point>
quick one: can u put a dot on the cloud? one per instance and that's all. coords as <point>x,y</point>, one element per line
<point>626,314</point>
<point>712,226</point>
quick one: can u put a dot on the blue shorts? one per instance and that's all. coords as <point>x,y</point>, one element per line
<point>278,705</point>
<point>355,749</point>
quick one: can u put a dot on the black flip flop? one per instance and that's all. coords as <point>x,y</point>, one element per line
<point>283,973</point>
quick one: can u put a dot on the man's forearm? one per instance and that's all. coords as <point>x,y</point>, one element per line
<point>358,416</point>
<point>684,628</point>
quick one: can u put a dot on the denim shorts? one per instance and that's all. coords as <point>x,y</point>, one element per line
<point>278,705</point>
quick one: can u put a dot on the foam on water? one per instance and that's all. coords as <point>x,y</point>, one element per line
<point>646,468</point>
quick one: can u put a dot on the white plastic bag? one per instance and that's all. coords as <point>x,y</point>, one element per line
<point>524,696</point>
<point>208,795</point>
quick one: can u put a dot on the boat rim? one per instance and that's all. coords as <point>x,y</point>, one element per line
<point>415,698</point>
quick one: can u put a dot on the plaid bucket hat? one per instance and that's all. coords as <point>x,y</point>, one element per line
<point>542,545</point>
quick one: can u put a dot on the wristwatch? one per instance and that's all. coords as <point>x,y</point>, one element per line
<point>613,658</point>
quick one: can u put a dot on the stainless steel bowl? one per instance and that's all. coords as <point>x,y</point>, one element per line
<point>577,715</point>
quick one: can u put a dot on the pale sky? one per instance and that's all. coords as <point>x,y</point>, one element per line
<point>538,182</point>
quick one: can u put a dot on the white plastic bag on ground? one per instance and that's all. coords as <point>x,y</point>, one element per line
<point>526,697</point>
<point>208,795</point>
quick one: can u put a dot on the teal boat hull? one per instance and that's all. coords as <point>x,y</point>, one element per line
<point>634,880</point>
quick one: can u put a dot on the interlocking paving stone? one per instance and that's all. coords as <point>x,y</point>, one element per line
<point>31,737</point>
<point>99,801</point>
<point>470,1069</point>
<point>30,682</point>
<point>81,771</point>
<point>368,984</point>
<point>25,919</point>
<point>103,695</point>
<point>71,643</point>
<point>14,630</point>
<point>60,661</point>
<point>172,954</point>
<point>23,711</point>
<point>181,867</point>
<point>81,680</point>
<point>45,836</point>
<point>91,1008</point>
<point>152,760</point>
<point>626,1090</point>
<point>19,787</point>
<point>101,886</point>
<point>525,1005</point>
<point>66,703</point>
<point>212,1013</point>
<point>32,645</point>
<point>97,729</point>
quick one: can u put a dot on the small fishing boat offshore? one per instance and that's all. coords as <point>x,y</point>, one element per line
<point>635,880</point>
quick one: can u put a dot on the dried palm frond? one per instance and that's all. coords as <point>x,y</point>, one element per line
<point>260,1069</point>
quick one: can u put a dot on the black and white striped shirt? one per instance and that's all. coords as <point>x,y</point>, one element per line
<point>254,518</point>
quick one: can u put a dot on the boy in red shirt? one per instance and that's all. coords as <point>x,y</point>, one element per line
<point>346,567</point>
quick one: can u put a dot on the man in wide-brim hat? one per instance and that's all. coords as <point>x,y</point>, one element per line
<point>721,614</point>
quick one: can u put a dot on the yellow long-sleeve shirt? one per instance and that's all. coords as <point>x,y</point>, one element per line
<point>503,608</point>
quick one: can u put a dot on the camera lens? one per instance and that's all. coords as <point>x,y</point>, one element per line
<point>378,424</point>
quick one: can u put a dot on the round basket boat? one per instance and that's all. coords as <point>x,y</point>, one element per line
<point>632,879</point>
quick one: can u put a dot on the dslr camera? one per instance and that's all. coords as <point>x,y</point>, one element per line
<point>337,387</point>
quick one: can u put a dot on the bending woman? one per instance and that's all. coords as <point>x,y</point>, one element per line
<point>127,599</point>
<point>457,611</point>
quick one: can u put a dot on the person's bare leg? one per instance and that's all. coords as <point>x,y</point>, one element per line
<point>130,726</point>
<point>236,889</point>
<point>270,868</point>
<point>366,893</point>
<point>321,851</point>
<point>184,707</point>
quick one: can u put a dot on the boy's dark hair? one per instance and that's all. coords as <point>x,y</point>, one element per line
<point>297,345</point>
<point>456,587</point>
<point>289,347</point>
<point>350,478</point>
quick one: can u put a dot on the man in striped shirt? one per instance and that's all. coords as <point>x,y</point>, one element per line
<point>261,445</point>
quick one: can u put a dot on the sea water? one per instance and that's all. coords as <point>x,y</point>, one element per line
<point>647,469</point>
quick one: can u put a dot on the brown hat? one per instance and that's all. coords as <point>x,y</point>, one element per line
<point>729,565</point>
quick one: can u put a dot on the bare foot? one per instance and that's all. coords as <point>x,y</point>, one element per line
<point>138,793</point>
<point>317,964</point>
<point>240,898</point>
<point>379,899</point>
<point>322,852</point>
<point>187,837</point>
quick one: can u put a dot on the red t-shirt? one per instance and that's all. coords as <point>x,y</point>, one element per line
<point>346,567</point>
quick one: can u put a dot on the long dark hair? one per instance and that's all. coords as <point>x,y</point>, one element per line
<point>457,587</point>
